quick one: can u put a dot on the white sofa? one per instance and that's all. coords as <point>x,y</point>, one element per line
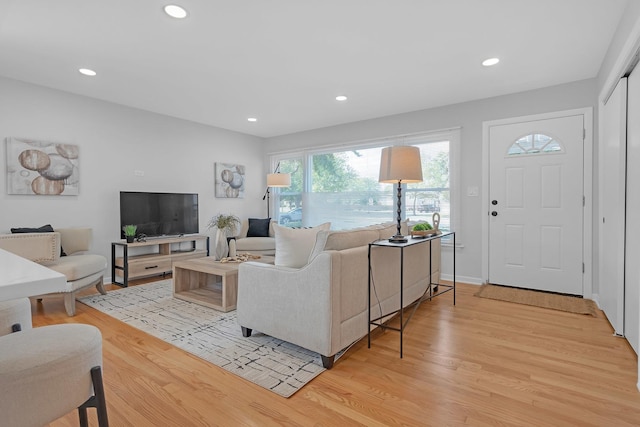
<point>322,306</point>
<point>255,245</point>
<point>80,268</point>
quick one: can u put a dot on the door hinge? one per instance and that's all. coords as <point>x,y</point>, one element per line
<point>584,134</point>
<point>583,201</point>
<point>583,268</point>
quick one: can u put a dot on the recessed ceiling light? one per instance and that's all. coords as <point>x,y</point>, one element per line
<point>87,72</point>
<point>341,98</point>
<point>252,119</point>
<point>175,11</point>
<point>491,61</point>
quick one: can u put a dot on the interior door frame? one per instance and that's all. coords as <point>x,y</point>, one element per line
<point>587,167</point>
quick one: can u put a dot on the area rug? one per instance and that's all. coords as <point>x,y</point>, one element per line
<point>214,336</point>
<point>539,299</point>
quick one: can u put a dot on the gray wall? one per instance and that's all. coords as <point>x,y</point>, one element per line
<point>178,155</point>
<point>175,156</point>
<point>469,116</point>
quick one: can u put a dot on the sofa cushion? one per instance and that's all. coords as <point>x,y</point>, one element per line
<point>389,229</point>
<point>255,244</point>
<point>258,227</point>
<point>338,240</point>
<point>76,267</point>
<point>345,239</point>
<point>294,245</point>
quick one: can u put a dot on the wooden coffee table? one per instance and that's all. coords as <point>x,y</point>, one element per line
<point>208,282</point>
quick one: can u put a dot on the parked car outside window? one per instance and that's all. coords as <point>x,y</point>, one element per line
<point>432,205</point>
<point>295,215</point>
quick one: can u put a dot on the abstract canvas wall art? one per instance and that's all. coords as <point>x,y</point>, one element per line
<point>41,167</point>
<point>229,180</point>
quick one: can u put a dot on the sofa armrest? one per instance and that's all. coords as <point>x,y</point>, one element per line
<point>74,240</point>
<point>38,247</point>
<point>298,305</point>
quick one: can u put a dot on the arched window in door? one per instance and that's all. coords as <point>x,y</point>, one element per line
<point>535,143</point>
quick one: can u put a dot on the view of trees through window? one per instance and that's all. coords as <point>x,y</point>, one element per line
<point>342,187</point>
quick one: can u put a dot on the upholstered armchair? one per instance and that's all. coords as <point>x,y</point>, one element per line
<point>256,240</point>
<point>80,268</point>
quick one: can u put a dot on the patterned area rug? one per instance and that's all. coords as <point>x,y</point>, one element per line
<point>276,365</point>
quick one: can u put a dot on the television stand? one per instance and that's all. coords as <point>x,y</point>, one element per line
<point>159,262</point>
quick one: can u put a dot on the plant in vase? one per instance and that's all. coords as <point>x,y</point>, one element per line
<point>225,226</point>
<point>130,232</point>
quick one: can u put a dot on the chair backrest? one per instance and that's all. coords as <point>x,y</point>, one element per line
<point>37,247</point>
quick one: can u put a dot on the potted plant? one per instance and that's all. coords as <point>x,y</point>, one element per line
<point>225,226</point>
<point>226,223</point>
<point>130,232</point>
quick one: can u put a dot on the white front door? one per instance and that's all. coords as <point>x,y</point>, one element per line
<point>536,204</point>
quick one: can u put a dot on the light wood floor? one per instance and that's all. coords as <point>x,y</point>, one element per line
<point>481,363</point>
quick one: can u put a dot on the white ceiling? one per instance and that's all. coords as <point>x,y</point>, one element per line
<point>284,61</point>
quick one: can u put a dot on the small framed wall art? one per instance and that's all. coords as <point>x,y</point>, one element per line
<point>229,180</point>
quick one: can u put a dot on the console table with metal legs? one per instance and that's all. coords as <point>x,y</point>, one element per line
<point>432,291</point>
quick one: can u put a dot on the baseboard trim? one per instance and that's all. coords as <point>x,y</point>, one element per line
<point>463,279</point>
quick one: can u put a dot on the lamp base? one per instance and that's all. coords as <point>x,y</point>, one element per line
<point>398,238</point>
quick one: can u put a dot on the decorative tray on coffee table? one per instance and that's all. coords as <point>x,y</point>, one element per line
<point>240,258</point>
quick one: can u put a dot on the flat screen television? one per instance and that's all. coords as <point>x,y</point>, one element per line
<point>159,214</point>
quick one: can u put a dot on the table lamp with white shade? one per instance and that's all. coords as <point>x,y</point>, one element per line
<point>400,164</point>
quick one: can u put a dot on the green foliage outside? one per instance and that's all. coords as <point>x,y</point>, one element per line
<point>331,173</point>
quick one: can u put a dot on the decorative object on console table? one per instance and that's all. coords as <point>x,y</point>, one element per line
<point>436,222</point>
<point>130,232</point>
<point>229,180</point>
<point>225,226</point>
<point>276,179</point>
<point>400,164</point>
<point>423,229</point>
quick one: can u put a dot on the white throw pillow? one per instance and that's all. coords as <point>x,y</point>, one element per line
<point>294,245</point>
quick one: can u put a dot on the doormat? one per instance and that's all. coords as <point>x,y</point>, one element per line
<point>542,299</point>
<point>276,365</point>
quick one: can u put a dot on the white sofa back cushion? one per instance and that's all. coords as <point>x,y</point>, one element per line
<point>294,245</point>
<point>338,240</point>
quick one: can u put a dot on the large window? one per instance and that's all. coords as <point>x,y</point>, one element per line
<point>341,185</point>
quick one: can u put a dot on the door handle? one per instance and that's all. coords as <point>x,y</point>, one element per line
<point>494,213</point>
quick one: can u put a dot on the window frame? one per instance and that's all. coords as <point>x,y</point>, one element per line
<point>305,155</point>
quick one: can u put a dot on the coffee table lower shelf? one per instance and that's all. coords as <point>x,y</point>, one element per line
<point>206,283</point>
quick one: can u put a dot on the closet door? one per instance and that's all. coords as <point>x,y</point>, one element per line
<point>632,264</point>
<point>612,206</point>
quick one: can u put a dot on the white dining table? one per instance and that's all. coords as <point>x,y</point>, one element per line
<point>20,277</point>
